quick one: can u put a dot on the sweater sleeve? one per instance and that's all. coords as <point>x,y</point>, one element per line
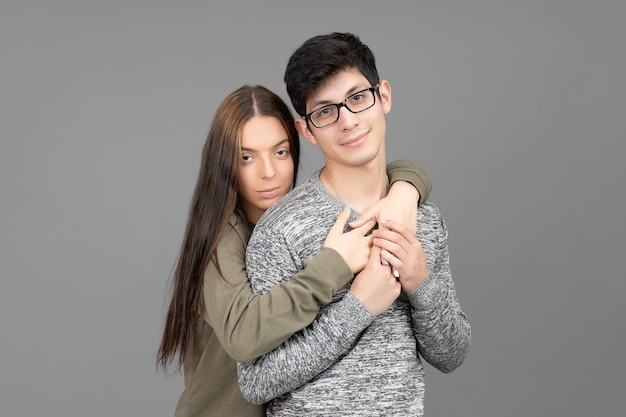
<point>247,324</point>
<point>308,352</point>
<point>440,326</point>
<point>403,170</point>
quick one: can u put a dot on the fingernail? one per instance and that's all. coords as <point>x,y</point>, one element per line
<point>351,223</point>
<point>346,208</point>
<point>385,262</point>
<point>396,273</point>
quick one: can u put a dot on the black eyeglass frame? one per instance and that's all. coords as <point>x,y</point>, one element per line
<point>373,89</point>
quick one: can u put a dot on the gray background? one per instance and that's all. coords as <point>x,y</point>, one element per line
<point>516,109</point>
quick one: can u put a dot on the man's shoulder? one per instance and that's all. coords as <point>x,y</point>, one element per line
<point>430,222</point>
<point>429,209</point>
<point>429,214</point>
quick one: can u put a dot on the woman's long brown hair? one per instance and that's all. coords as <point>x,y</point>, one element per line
<point>213,202</point>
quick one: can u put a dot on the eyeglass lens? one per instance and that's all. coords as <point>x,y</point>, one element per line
<point>355,103</point>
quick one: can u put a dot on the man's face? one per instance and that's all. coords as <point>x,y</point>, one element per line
<point>355,138</point>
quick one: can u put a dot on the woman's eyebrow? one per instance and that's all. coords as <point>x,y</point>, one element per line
<point>279,143</point>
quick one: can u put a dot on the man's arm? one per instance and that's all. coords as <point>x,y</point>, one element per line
<point>306,353</point>
<point>440,326</point>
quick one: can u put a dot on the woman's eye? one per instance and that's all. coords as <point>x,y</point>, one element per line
<point>283,152</point>
<point>246,158</point>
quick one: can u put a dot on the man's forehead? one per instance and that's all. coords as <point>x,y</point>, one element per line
<point>337,88</point>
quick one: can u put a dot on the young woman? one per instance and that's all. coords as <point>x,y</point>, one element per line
<point>249,161</point>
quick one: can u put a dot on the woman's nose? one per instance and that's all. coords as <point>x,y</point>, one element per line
<point>268,169</point>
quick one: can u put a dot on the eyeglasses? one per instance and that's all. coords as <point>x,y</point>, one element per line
<point>355,103</point>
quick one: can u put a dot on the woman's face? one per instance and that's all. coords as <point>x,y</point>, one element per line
<point>266,171</point>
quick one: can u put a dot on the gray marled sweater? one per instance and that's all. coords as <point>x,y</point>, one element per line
<point>347,362</point>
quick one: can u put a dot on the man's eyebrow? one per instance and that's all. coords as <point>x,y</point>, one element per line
<point>354,89</point>
<point>279,143</point>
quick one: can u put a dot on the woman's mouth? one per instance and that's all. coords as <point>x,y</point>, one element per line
<point>269,192</point>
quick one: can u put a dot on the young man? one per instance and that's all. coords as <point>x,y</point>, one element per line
<point>352,360</point>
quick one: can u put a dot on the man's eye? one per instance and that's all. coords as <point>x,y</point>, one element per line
<point>356,97</point>
<point>325,112</point>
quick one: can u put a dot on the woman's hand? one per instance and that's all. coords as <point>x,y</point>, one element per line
<point>353,246</point>
<point>400,205</point>
<point>401,249</point>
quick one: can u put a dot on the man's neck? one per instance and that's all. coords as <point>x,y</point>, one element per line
<point>359,187</point>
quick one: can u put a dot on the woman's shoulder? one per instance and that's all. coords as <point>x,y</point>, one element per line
<point>237,231</point>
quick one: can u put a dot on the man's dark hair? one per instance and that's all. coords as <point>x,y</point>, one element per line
<point>322,57</point>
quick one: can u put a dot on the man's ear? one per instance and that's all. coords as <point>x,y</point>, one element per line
<point>384,89</point>
<point>303,128</point>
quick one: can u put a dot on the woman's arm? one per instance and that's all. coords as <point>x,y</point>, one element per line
<point>409,186</point>
<point>407,171</point>
<point>249,325</point>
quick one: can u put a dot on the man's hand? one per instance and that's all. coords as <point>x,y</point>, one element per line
<point>376,287</point>
<point>401,249</point>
